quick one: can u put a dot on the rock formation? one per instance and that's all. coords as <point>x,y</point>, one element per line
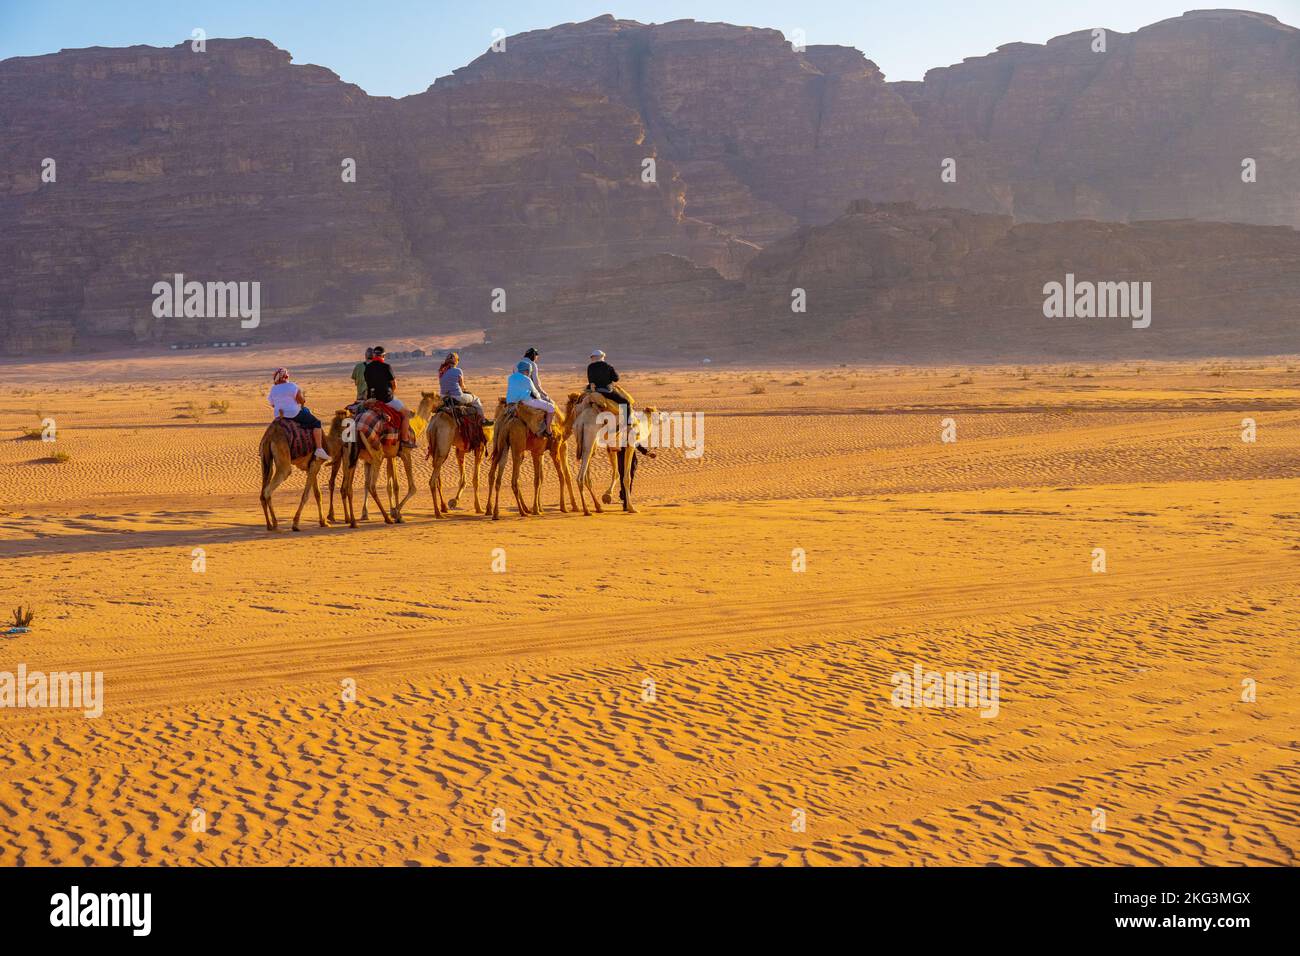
<point>523,171</point>
<point>893,282</point>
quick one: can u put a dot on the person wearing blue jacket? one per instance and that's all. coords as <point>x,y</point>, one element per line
<point>521,388</point>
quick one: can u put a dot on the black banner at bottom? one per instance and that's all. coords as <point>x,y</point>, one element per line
<point>332,906</point>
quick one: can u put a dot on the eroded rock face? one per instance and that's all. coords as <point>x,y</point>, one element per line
<point>893,282</point>
<point>227,166</point>
<point>764,138</point>
<point>1154,127</point>
<point>523,170</point>
<point>222,165</point>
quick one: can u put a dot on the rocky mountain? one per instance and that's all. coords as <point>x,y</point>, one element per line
<point>1154,126</point>
<point>892,282</point>
<point>227,165</point>
<point>526,172</point>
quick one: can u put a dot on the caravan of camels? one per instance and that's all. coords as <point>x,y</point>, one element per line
<point>375,431</point>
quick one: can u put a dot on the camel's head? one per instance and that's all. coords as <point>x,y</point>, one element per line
<point>428,402</point>
<point>642,422</point>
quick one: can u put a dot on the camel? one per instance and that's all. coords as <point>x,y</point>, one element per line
<point>361,449</point>
<point>336,465</point>
<point>514,434</point>
<point>443,436</point>
<point>582,419</point>
<point>276,465</point>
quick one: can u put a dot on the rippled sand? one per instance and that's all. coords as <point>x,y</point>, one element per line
<point>663,687</point>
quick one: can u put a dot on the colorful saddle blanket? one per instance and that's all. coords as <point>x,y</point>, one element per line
<point>299,438</point>
<point>469,423</point>
<point>377,424</point>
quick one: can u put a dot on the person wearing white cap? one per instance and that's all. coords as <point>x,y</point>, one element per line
<point>601,376</point>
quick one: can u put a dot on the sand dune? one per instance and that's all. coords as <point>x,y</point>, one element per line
<point>521,696</point>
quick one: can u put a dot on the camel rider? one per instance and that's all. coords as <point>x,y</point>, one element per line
<point>521,388</point>
<point>451,385</point>
<point>359,374</point>
<point>531,357</point>
<point>601,376</point>
<point>286,399</point>
<point>380,385</point>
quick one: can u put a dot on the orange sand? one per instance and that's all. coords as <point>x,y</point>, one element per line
<point>523,692</point>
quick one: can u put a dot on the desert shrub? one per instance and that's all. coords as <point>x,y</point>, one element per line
<point>219,405</point>
<point>23,617</point>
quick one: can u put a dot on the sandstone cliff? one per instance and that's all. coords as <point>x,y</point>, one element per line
<point>893,282</point>
<point>523,171</point>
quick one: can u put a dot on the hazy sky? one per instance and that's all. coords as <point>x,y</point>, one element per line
<point>396,47</point>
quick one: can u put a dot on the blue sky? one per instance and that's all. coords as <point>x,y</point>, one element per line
<point>396,47</point>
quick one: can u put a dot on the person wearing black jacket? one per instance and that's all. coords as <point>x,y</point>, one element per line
<point>381,383</point>
<point>601,376</point>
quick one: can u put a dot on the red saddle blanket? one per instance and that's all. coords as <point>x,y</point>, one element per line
<point>299,438</point>
<point>469,423</point>
<point>378,424</point>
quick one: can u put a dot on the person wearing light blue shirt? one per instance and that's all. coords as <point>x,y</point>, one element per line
<point>520,388</point>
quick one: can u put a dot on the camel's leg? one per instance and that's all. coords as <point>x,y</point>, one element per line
<point>390,474</point>
<point>478,457</point>
<point>613,475</point>
<point>308,485</point>
<point>365,495</point>
<point>492,468</point>
<point>584,477</point>
<point>537,480</point>
<point>435,484</point>
<point>315,490</point>
<point>460,467</point>
<point>565,474</point>
<point>496,472</point>
<point>345,495</point>
<point>372,489</point>
<point>282,469</point>
<point>516,462</point>
<point>334,473</point>
<point>261,495</point>
<point>625,457</point>
<point>409,464</point>
<point>441,502</point>
<point>553,451</point>
<point>390,486</point>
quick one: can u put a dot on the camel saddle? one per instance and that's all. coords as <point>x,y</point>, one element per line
<point>603,401</point>
<point>469,423</point>
<point>300,441</point>
<point>378,424</point>
<point>531,417</point>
